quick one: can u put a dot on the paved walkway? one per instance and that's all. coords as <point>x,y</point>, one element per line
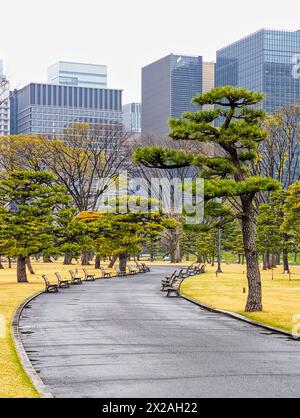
<point>123,338</point>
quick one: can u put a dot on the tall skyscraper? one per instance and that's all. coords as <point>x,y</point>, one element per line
<point>47,109</point>
<point>4,103</point>
<point>208,76</point>
<point>168,87</point>
<point>263,62</point>
<point>78,75</point>
<point>132,117</point>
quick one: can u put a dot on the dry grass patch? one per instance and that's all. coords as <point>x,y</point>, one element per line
<point>281,295</point>
<point>14,383</point>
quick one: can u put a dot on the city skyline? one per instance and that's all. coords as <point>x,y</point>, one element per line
<point>139,44</point>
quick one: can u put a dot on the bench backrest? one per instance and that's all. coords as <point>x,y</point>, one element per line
<point>46,279</point>
<point>171,279</point>
<point>72,274</point>
<point>178,283</point>
<point>59,278</point>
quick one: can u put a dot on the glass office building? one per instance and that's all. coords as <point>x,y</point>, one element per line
<point>263,62</point>
<point>78,75</point>
<point>47,109</point>
<point>132,117</point>
<point>168,87</point>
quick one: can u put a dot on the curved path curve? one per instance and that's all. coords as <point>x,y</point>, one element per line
<point>123,338</point>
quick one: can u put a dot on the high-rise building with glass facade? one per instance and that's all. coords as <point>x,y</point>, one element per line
<point>132,117</point>
<point>263,62</point>
<point>78,75</point>
<point>4,103</point>
<point>168,87</point>
<point>47,109</point>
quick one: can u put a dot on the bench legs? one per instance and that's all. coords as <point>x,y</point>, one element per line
<point>173,291</point>
<point>52,289</point>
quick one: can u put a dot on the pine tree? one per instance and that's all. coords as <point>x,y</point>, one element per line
<point>28,201</point>
<point>234,130</point>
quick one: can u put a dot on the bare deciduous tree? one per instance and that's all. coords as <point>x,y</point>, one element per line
<point>281,151</point>
<point>170,238</point>
<point>86,160</point>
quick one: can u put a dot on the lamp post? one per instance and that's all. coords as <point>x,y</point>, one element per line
<point>219,251</point>
<point>219,245</point>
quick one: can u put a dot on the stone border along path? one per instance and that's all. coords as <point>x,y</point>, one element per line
<point>124,338</point>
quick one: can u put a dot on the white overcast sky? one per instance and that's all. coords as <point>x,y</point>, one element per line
<point>127,34</point>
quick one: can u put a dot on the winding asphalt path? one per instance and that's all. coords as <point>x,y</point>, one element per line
<point>123,338</point>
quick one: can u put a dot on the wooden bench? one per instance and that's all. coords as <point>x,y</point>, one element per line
<point>170,280</point>
<point>50,288</point>
<point>199,270</point>
<point>105,274</point>
<point>132,271</point>
<point>175,287</point>
<point>167,281</point>
<point>140,268</point>
<point>146,268</point>
<point>88,277</point>
<point>76,280</point>
<point>120,273</point>
<point>62,283</point>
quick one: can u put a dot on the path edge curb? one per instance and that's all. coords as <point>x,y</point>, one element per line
<point>237,317</point>
<point>21,353</point>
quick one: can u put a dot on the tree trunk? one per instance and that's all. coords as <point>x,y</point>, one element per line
<point>113,261</point>
<point>152,250</point>
<point>68,259</point>
<point>9,263</point>
<point>1,265</point>
<point>85,258</point>
<point>213,260</point>
<point>267,262</point>
<point>240,259</point>
<point>123,262</point>
<point>29,265</point>
<point>199,259</point>
<point>98,262</point>
<point>286,265</point>
<point>278,260</point>
<point>21,270</point>
<point>178,255</point>
<point>254,302</point>
<point>273,261</point>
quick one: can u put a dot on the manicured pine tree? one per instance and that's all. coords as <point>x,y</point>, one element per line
<point>28,201</point>
<point>122,235</point>
<point>233,130</point>
<point>233,239</point>
<point>268,236</point>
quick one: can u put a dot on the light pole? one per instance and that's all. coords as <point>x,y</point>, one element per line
<point>219,251</point>
<point>219,200</point>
